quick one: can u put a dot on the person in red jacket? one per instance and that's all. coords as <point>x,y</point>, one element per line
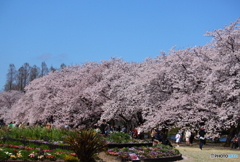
<point>135,133</point>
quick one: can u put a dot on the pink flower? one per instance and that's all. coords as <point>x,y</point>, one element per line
<point>113,153</point>
<point>31,155</point>
<point>74,154</point>
<point>46,150</point>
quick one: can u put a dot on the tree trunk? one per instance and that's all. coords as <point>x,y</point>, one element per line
<point>233,131</point>
<point>127,124</point>
<point>165,131</point>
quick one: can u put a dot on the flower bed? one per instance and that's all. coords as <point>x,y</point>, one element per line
<point>52,145</point>
<point>153,153</point>
<point>59,144</point>
<point>25,153</point>
<point>121,145</point>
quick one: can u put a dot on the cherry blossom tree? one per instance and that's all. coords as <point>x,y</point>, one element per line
<point>7,100</point>
<point>173,90</point>
<point>66,95</point>
<point>224,80</point>
<point>199,86</point>
<point>123,93</point>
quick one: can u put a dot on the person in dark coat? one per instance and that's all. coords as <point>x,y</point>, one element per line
<point>165,141</point>
<point>201,137</point>
<point>158,137</point>
<point>191,138</point>
<point>103,126</point>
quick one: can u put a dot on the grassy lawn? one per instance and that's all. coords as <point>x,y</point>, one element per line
<point>194,154</point>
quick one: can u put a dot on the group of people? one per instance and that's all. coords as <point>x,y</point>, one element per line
<point>159,137</point>
<point>202,140</point>
<point>189,137</point>
<point>105,128</point>
<point>48,123</point>
<point>156,135</point>
<point>15,124</point>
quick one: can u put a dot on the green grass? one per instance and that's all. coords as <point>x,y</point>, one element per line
<point>37,133</point>
<point>194,154</point>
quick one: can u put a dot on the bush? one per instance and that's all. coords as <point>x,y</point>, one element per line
<point>70,158</point>
<point>119,137</point>
<point>34,132</point>
<point>44,147</point>
<point>86,143</point>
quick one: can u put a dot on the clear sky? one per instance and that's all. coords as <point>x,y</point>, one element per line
<point>78,31</point>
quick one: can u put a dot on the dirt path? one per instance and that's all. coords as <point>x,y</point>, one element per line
<point>108,158</point>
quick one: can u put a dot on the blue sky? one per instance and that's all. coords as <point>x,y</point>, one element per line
<point>78,31</point>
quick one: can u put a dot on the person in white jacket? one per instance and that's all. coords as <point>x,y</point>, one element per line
<point>178,137</point>
<point>187,136</point>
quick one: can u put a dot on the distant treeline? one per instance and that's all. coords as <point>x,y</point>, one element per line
<point>18,79</point>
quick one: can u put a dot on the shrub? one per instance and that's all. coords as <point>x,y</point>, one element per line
<point>70,158</point>
<point>119,137</point>
<point>34,132</point>
<point>86,143</point>
<point>44,147</point>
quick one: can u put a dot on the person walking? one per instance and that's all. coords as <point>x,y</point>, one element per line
<point>178,137</point>
<point>153,132</point>
<point>103,127</point>
<point>187,136</point>
<point>135,133</point>
<point>201,137</point>
<point>107,129</point>
<point>191,138</point>
<point>157,137</point>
